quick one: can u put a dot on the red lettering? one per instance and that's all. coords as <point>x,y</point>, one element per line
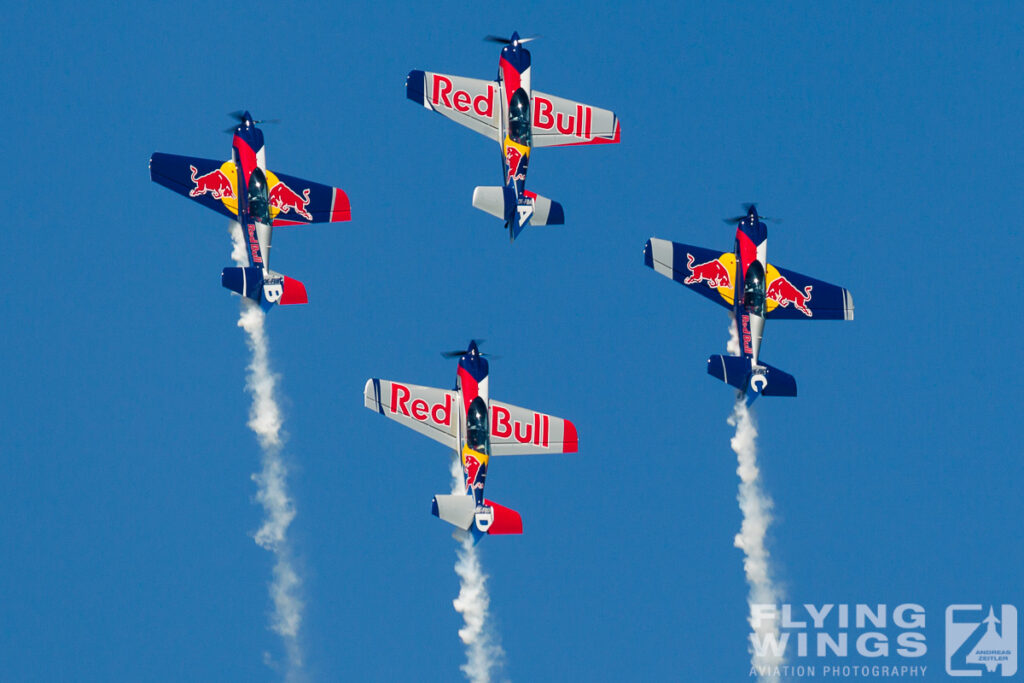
<point>526,437</point>
<point>746,335</point>
<point>487,100</point>
<point>461,100</point>
<point>579,120</point>
<point>500,423</point>
<point>546,426</point>
<point>542,113</point>
<point>442,412</point>
<point>590,114</point>
<point>536,428</point>
<point>419,409</point>
<point>563,127</point>
<point>399,403</point>
<point>440,92</point>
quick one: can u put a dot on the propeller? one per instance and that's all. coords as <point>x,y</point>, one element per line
<point>239,115</point>
<point>462,352</point>
<point>747,207</point>
<point>509,41</point>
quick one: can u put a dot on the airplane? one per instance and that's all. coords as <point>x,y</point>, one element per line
<point>521,120</point>
<point>262,201</point>
<point>476,427</point>
<point>755,291</point>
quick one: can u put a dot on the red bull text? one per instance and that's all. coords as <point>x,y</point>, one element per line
<point>502,424</point>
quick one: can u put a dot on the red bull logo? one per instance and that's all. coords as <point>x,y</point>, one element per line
<point>286,199</point>
<point>472,467</point>
<point>504,427</point>
<point>514,158</point>
<point>418,409</point>
<point>783,293</point>
<point>460,100</point>
<point>215,182</point>
<point>254,244</point>
<point>712,272</point>
<point>578,124</point>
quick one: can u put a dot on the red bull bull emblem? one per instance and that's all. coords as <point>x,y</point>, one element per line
<point>471,468</point>
<point>783,293</point>
<point>514,157</point>
<point>286,199</point>
<point>712,272</point>
<point>215,182</point>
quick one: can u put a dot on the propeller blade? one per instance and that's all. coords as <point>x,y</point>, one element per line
<point>497,39</point>
<point>462,352</point>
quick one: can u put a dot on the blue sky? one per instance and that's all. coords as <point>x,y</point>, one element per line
<point>888,139</point>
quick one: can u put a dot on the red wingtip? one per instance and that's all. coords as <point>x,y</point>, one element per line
<point>294,292</point>
<point>570,441</point>
<point>341,210</point>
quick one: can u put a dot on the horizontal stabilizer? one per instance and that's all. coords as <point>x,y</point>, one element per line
<point>245,281</point>
<point>506,521</point>
<point>460,510</point>
<point>736,371</point>
<point>545,211</point>
<point>454,508</point>
<point>273,289</point>
<point>500,202</point>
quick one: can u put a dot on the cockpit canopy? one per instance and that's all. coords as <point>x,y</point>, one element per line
<point>519,118</point>
<point>753,289</point>
<point>478,427</point>
<point>259,197</point>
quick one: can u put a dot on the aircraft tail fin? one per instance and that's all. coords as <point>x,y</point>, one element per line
<point>764,379</point>
<point>272,289</point>
<point>460,510</point>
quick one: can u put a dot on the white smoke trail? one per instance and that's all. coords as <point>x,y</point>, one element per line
<point>756,507</point>
<point>484,655</point>
<point>272,493</point>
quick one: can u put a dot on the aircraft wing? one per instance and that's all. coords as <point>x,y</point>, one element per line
<point>708,272</point>
<point>521,431</point>
<point>206,181</point>
<point>212,183</point>
<point>793,296</point>
<point>294,201</point>
<point>471,102</point>
<point>428,410</point>
<point>558,121</point>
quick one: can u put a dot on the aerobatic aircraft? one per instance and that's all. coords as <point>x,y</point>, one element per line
<point>477,428</point>
<point>755,291</point>
<point>261,201</point>
<point>519,118</point>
